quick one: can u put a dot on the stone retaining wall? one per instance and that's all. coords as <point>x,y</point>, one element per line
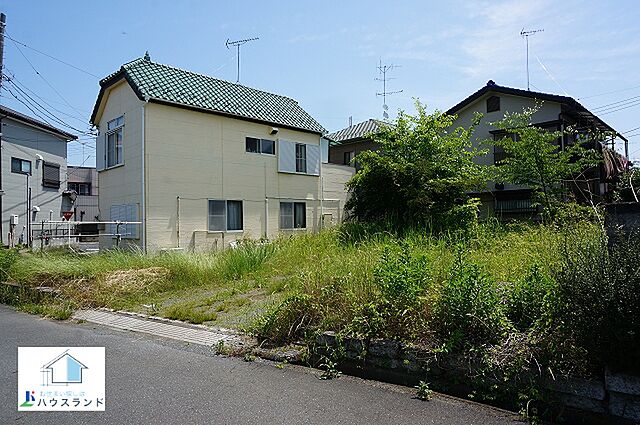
<point>612,398</point>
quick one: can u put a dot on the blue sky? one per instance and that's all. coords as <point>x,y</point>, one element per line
<point>324,54</point>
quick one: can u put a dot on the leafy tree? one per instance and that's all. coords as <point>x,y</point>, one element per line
<point>420,176</point>
<point>534,159</point>
<point>628,188</point>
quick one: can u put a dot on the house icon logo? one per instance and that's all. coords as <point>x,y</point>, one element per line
<point>63,369</point>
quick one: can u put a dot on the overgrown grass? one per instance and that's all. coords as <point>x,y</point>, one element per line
<point>448,291</point>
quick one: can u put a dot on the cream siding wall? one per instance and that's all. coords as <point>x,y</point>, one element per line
<point>121,184</point>
<point>334,178</point>
<point>548,111</point>
<point>199,156</point>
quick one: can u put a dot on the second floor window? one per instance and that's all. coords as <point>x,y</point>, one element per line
<point>301,158</point>
<point>493,103</point>
<point>115,139</point>
<point>80,188</point>
<point>51,175</point>
<point>255,145</point>
<point>20,166</point>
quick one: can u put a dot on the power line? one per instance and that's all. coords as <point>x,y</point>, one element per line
<point>609,92</point>
<point>43,110</point>
<point>629,131</point>
<point>15,81</point>
<point>44,79</point>
<point>39,107</point>
<point>28,106</point>
<point>620,109</point>
<point>612,105</point>
<point>51,57</point>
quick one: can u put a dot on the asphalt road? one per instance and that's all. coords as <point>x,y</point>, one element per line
<point>156,381</point>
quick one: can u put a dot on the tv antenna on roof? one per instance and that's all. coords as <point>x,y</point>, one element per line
<point>525,35</point>
<point>383,69</point>
<point>237,44</point>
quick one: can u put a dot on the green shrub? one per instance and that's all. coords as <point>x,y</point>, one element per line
<point>8,258</point>
<point>527,300</point>
<point>468,310</point>
<point>598,300</point>
<point>402,277</point>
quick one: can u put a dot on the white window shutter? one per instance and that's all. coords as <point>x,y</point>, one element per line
<point>313,160</point>
<point>286,156</point>
<point>101,151</point>
<point>324,150</point>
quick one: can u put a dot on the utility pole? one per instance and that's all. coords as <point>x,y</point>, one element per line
<point>525,34</point>
<point>237,44</point>
<point>3,20</point>
<point>383,69</point>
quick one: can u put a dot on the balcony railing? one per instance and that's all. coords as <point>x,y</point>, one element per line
<point>515,206</point>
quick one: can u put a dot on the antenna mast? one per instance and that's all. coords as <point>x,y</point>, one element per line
<point>237,44</point>
<point>525,35</point>
<point>383,69</point>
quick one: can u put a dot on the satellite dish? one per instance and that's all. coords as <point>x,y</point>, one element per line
<point>385,107</point>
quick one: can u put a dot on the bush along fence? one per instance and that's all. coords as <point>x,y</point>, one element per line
<point>612,398</point>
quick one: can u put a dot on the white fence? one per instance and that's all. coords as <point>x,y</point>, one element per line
<point>52,233</point>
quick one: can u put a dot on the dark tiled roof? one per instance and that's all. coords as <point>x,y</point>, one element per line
<point>573,105</point>
<point>356,131</point>
<point>163,83</point>
<point>8,112</point>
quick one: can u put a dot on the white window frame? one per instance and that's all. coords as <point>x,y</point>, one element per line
<point>22,162</point>
<point>260,140</point>
<point>293,212</point>
<point>226,218</point>
<point>114,126</point>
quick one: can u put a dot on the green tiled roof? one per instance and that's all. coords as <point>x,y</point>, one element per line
<point>355,132</point>
<point>165,83</point>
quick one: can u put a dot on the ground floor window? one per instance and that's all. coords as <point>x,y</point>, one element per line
<point>225,215</point>
<point>293,215</point>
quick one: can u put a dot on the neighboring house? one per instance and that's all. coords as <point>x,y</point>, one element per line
<point>345,144</point>
<point>34,164</point>
<point>202,162</point>
<point>83,181</point>
<point>554,113</point>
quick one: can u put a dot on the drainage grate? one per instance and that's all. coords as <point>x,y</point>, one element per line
<point>165,330</point>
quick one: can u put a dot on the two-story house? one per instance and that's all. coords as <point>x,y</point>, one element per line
<point>201,162</point>
<point>555,113</point>
<point>345,144</point>
<point>33,167</point>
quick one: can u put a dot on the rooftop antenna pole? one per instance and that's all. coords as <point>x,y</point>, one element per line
<point>237,44</point>
<point>525,34</point>
<point>383,69</point>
